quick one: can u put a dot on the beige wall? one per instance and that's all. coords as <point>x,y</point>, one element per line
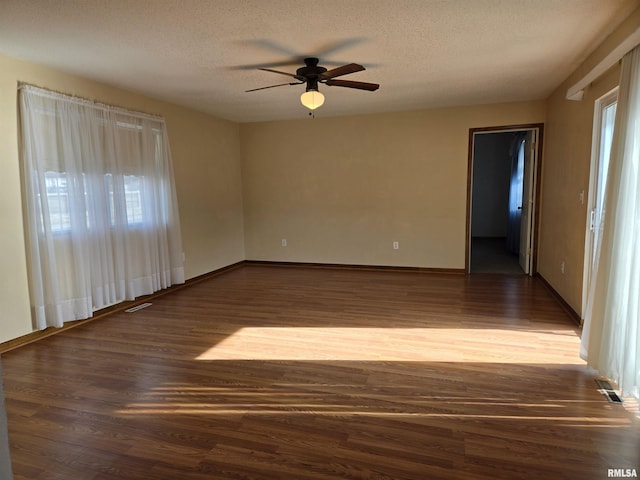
<point>565,176</point>
<point>567,159</point>
<point>342,190</point>
<point>206,158</point>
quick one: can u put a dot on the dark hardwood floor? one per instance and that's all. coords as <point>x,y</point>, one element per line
<point>308,373</point>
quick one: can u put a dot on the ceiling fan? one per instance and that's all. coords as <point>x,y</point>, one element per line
<point>312,74</point>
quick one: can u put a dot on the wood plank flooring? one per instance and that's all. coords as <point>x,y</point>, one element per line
<point>316,374</point>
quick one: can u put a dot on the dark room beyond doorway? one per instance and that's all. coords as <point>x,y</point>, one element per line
<point>497,202</point>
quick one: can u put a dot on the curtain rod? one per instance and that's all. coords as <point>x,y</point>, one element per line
<point>576,92</point>
<point>84,101</point>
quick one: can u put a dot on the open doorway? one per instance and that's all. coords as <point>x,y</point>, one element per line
<point>502,199</point>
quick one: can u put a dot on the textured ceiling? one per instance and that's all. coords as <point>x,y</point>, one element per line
<point>205,53</point>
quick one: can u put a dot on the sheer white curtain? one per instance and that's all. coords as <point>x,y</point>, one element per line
<point>101,206</point>
<point>611,333</point>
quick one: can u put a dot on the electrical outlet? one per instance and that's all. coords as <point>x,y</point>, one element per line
<point>284,242</point>
<point>396,245</point>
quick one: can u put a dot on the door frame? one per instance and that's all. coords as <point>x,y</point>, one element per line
<point>537,176</point>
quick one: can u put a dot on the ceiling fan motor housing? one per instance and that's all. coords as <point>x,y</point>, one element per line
<point>310,72</point>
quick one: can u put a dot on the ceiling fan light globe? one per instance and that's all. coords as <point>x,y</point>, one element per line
<point>312,99</point>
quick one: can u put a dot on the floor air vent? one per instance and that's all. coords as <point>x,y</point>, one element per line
<point>138,307</point>
<point>607,389</point>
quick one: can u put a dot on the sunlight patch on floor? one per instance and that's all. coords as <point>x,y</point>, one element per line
<point>335,400</point>
<point>590,422</point>
<point>399,344</point>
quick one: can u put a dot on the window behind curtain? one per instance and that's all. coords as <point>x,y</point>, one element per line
<point>102,210</point>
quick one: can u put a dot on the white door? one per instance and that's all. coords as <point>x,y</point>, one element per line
<point>604,119</point>
<point>528,189</point>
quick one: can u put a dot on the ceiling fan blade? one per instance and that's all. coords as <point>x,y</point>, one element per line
<point>350,84</point>
<point>343,70</point>
<point>272,86</point>
<point>297,77</point>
